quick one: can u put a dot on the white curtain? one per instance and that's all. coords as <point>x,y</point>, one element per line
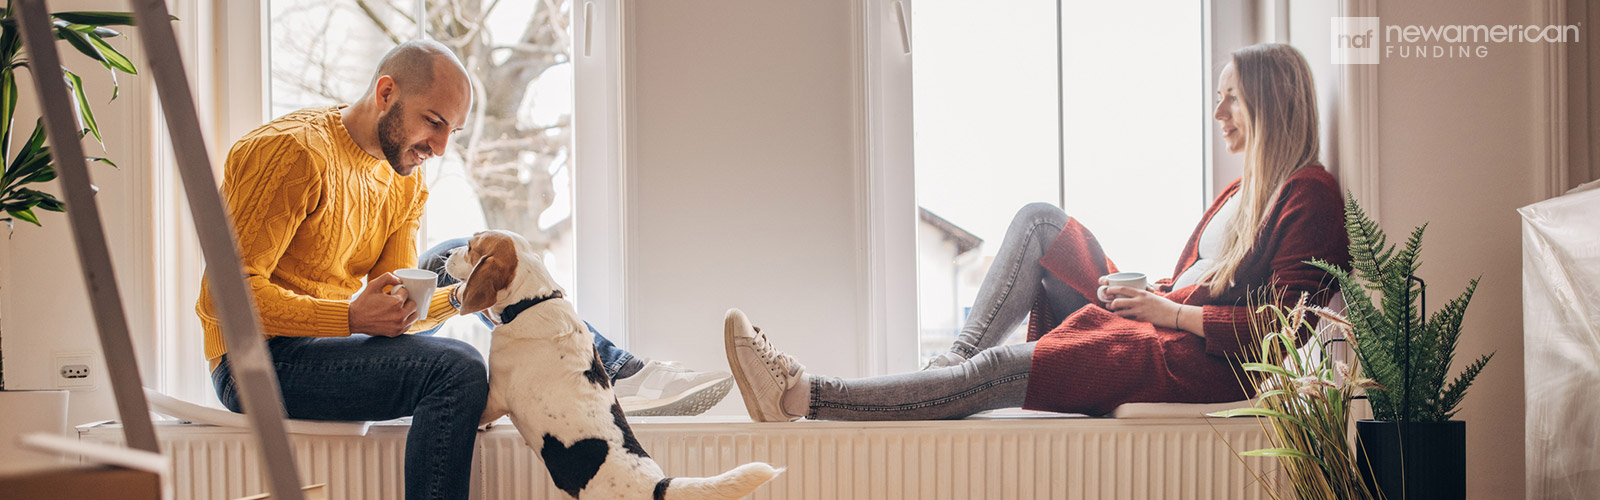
<point>1561,330</point>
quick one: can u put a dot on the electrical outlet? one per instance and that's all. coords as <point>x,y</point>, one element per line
<point>72,370</point>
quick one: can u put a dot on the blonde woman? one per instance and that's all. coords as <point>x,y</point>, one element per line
<point>1178,341</point>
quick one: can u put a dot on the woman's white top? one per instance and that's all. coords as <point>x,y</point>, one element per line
<point>1211,241</point>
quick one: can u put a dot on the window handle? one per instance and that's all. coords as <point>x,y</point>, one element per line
<point>588,28</point>
<point>905,35</point>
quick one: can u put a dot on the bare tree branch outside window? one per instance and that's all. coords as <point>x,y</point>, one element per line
<point>511,156</point>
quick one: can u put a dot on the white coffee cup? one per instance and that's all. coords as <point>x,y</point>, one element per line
<point>1131,280</point>
<point>418,285</point>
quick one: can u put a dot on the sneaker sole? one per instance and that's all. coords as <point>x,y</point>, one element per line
<point>693,402</point>
<point>750,405</point>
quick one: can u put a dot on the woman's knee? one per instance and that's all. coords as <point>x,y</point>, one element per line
<point>1003,360</point>
<point>1039,212</point>
<point>434,259</point>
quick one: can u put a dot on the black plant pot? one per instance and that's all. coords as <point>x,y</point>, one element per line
<point>1414,460</point>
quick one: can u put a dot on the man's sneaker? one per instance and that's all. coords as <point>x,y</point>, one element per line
<point>763,373</point>
<point>666,388</point>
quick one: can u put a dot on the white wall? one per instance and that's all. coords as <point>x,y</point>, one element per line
<point>742,180</point>
<point>46,306</point>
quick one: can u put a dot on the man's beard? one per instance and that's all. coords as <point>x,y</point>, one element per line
<point>390,136</point>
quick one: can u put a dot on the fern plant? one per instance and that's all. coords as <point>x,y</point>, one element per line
<point>1408,355</point>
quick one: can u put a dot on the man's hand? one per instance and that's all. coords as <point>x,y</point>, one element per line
<point>382,313</point>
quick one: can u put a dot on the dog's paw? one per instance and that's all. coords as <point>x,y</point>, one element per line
<point>486,427</point>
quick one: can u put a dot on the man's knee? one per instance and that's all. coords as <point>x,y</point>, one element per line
<point>462,366</point>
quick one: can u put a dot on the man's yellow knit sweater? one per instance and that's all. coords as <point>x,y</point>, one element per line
<point>315,214</point>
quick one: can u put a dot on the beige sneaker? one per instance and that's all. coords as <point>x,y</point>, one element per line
<point>762,372</point>
<point>944,360</point>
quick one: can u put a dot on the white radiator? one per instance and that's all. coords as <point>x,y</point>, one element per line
<point>1015,458</point>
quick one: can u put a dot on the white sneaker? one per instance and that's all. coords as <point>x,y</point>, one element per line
<point>762,372</point>
<point>943,360</point>
<point>667,388</point>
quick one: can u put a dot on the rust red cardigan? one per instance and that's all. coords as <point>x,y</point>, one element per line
<point>1094,360</point>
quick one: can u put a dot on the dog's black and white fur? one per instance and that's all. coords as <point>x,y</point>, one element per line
<point>545,373</point>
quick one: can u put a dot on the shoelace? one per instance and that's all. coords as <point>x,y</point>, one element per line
<point>781,364</point>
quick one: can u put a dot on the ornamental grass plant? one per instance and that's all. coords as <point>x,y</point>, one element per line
<point>1303,403</point>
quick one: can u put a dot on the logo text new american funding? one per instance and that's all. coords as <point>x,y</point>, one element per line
<point>1365,40</point>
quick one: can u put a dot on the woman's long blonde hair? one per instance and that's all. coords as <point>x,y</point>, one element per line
<point>1280,136</point>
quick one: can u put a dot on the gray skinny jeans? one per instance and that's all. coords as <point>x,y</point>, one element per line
<point>992,377</point>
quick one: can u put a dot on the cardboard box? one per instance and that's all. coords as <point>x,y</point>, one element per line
<point>80,482</point>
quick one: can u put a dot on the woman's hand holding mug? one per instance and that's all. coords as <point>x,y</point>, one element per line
<point>1131,280</point>
<point>1129,296</point>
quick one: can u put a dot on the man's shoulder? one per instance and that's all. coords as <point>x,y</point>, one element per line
<point>291,145</point>
<point>306,130</point>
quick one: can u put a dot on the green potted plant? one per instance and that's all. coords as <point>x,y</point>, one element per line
<point>28,163</point>
<point>1411,449</point>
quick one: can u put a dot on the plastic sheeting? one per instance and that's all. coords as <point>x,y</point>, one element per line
<point>1561,334</point>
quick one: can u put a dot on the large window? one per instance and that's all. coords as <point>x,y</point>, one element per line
<point>1117,140</point>
<point>509,168</point>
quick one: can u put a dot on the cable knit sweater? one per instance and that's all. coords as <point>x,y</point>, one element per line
<point>1094,360</point>
<point>315,214</point>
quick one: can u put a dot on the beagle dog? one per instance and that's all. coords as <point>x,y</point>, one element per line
<point>545,373</point>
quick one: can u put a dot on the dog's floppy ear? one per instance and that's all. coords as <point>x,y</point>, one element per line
<point>493,273</point>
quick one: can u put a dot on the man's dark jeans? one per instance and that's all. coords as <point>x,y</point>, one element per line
<point>441,383</point>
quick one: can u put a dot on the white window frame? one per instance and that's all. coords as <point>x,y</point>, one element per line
<point>601,150</point>
<point>224,54</point>
<point>1229,26</point>
<point>888,188</point>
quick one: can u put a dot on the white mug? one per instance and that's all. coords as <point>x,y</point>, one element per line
<point>418,285</point>
<point>1130,280</point>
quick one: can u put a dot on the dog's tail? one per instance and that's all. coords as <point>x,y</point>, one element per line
<point>729,485</point>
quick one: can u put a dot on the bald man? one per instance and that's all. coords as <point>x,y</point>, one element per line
<point>326,208</point>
